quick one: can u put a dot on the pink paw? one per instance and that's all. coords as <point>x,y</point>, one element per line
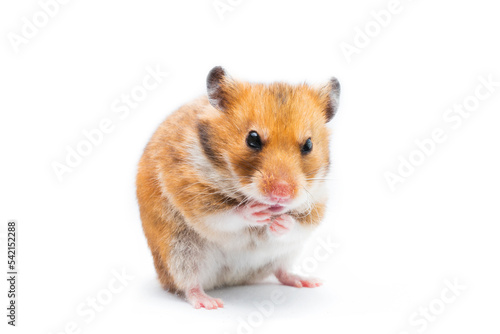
<point>255,212</point>
<point>198,298</point>
<point>296,280</point>
<point>281,224</point>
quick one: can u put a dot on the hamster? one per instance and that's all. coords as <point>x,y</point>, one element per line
<point>232,184</point>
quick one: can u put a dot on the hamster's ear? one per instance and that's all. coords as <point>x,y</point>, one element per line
<point>331,93</point>
<point>220,88</point>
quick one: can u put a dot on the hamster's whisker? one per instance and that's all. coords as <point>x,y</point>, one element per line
<point>307,191</point>
<point>188,186</point>
<point>310,200</point>
<point>227,195</point>
<point>314,171</point>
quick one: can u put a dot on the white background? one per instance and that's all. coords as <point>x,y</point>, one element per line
<point>396,248</point>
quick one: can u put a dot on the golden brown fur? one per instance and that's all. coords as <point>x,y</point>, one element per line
<point>176,189</point>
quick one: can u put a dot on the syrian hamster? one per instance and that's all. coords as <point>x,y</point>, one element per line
<point>232,184</point>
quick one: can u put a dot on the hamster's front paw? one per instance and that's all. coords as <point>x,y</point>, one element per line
<point>255,212</point>
<point>281,224</point>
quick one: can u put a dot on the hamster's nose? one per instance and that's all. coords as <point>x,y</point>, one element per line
<point>280,191</point>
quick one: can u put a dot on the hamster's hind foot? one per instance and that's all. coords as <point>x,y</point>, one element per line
<point>198,298</point>
<point>297,281</point>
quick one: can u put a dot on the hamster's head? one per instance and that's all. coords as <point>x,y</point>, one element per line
<point>271,141</point>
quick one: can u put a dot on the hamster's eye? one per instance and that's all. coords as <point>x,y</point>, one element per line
<point>253,141</point>
<point>307,147</point>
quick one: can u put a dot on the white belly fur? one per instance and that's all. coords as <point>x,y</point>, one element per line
<point>235,262</point>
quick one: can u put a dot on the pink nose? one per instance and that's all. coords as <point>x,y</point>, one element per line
<point>280,191</point>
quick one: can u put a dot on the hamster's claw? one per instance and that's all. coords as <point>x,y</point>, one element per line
<point>198,298</point>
